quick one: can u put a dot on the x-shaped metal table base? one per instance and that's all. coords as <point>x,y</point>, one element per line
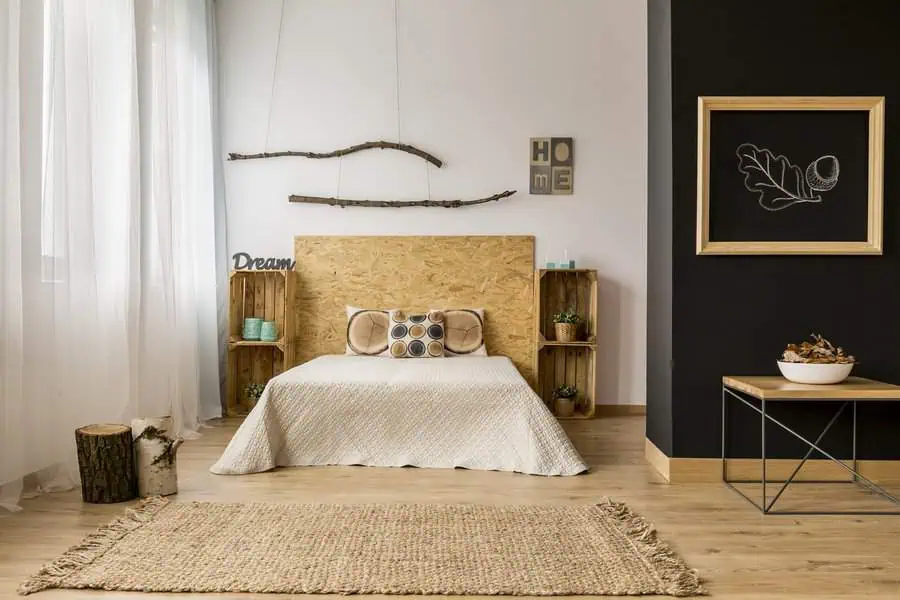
<point>766,506</point>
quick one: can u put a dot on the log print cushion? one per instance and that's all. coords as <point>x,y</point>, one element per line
<point>465,332</point>
<point>417,335</point>
<point>367,331</point>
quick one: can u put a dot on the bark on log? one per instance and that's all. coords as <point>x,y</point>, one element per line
<point>344,202</point>
<point>154,451</point>
<point>106,463</point>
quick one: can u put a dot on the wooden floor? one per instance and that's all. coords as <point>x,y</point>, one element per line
<point>740,554</point>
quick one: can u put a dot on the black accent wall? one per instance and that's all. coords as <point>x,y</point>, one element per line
<point>734,314</point>
<point>659,227</point>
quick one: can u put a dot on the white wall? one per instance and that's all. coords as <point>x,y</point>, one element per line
<point>476,79</point>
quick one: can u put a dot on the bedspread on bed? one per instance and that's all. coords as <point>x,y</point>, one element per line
<point>477,413</point>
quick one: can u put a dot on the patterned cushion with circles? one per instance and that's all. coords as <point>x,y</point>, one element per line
<point>416,335</point>
<point>465,332</point>
<point>367,331</point>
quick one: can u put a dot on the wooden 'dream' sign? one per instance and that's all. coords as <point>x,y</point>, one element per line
<point>244,262</point>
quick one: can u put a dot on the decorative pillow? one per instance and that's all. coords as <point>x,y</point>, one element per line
<point>367,331</point>
<point>417,335</point>
<point>465,332</point>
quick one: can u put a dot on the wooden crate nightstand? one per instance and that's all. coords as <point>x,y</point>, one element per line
<point>566,363</point>
<point>270,296</point>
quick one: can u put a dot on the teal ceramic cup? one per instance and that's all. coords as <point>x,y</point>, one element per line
<point>268,331</point>
<point>252,327</point>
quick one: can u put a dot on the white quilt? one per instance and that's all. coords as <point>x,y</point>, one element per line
<point>474,412</point>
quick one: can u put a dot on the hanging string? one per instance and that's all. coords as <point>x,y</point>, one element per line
<point>340,172</point>
<point>397,60</point>
<point>274,74</point>
<point>397,79</point>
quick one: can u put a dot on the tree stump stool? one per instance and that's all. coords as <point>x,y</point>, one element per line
<point>154,452</point>
<point>106,463</point>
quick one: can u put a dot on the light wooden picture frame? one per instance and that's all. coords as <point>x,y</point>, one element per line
<point>830,131</point>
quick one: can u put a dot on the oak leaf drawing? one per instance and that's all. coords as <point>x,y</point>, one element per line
<point>780,183</point>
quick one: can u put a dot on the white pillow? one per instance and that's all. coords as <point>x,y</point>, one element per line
<point>464,332</point>
<point>367,332</point>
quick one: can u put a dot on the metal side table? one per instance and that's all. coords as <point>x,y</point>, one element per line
<point>767,389</point>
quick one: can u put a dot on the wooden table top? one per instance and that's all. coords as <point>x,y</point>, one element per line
<point>775,387</point>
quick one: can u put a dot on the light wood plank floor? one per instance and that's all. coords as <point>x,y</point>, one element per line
<point>741,554</point>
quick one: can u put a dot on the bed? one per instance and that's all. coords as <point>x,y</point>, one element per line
<point>469,412</point>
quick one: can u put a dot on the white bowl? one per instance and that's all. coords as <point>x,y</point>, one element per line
<point>817,374</point>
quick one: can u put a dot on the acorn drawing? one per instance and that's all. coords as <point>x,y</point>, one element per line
<point>822,173</point>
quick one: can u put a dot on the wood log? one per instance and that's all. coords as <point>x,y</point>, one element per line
<point>106,463</point>
<point>154,452</point>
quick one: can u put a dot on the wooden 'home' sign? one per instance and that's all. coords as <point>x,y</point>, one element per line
<point>552,165</point>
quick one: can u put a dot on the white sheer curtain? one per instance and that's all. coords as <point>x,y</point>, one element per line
<point>108,280</point>
<point>13,459</point>
<point>180,320</point>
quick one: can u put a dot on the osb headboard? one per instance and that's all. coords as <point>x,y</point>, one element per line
<point>416,272</point>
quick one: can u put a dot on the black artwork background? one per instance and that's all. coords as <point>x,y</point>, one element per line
<point>734,314</point>
<point>801,136</point>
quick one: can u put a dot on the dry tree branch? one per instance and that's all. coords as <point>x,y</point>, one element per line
<point>343,152</point>
<point>343,203</point>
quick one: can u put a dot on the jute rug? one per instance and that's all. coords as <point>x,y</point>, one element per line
<point>164,546</point>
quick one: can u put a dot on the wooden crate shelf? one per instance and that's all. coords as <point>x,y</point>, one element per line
<point>557,290</point>
<point>566,363</point>
<point>257,343</point>
<point>267,295</point>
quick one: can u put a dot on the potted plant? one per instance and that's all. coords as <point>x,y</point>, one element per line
<point>564,400</point>
<point>566,325</point>
<point>254,391</point>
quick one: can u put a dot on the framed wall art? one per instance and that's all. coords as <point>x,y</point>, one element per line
<point>552,166</point>
<point>789,175</point>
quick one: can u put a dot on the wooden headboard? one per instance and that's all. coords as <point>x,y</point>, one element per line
<point>416,272</point>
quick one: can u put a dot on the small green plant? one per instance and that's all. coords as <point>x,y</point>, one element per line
<point>567,316</point>
<point>254,391</point>
<point>565,391</point>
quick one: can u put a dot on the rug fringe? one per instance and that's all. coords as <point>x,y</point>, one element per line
<point>680,580</point>
<point>93,546</point>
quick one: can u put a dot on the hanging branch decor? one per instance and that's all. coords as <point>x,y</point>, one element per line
<point>345,151</point>
<point>381,144</point>
<point>343,203</point>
